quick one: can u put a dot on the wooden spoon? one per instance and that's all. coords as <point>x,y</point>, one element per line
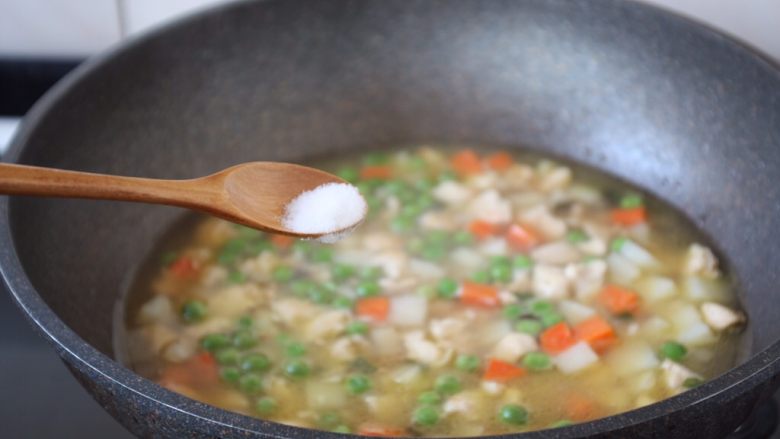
<point>253,194</point>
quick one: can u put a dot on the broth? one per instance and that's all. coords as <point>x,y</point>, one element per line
<point>482,295</point>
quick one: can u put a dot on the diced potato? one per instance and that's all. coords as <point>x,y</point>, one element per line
<point>418,348</point>
<point>697,334</point>
<point>293,311</point>
<point>491,207</point>
<point>451,192</point>
<point>540,219</point>
<point>447,329</point>
<point>587,278</point>
<point>638,255</point>
<point>720,317</point>
<point>494,246</point>
<point>408,310</point>
<point>386,341</point>
<point>550,282</point>
<point>327,325</point>
<point>656,288</point>
<point>557,178</point>
<point>325,395</point>
<point>621,270</point>
<point>180,350</point>
<point>576,358</point>
<point>575,312</point>
<point>159,309</point>
<point>699,289</point>
<point>467,258</point>
<point>632,358</point>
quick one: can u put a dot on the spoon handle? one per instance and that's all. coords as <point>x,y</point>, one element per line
<point>47,182</point>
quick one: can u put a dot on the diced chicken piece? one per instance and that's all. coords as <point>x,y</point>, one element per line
<point>720,317</point>
<point>407,373</point>
<point>587,278</point>
<point>386,341</point>
<point>157,310</point>
<point>700,260</point>
<point>675,374</point>
<point>576,358</point>
<point>518,176</point>
<point>434,220</point>
<point>260,267</point>
<point>398,285</point>
<point>513,346</point>
<point>541,220</point>
<point>484,180</point>
<point>293,311</point>
<point>494,247</point>
<point>554,179</point>
<point>521,281</point>
<point>550,282</point>
<point>420,349</point>
<point>152,338</point>
<point>321,395</point>
<point>451,192</point>
<point>393,263</point>
<point>575,312</point>
<point>214,275</point>
<point>209,326</point>
<point>466,258</point>
<point>462,404</point>
<point>493,387</point>
<point>556,253</point>
<point>327,325</point>
<point>594,246</point>
<point>235,300</point>
<point>689,326</point>
<point>347,348</point>
<point>447,329</point>
<point>180,350</point>
<point>491,207</point>
<point>506,298</point>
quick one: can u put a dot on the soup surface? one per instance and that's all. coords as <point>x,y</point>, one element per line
<point>483,294</point>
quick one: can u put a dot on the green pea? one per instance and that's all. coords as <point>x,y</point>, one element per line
<point>415,245</point>
<point>673,351</point>
<point>367,288</point>
<point>447,385</point>
<point>215,342</point>
<point>229,374</point>
<point>283,273</point>
<point>433,253</point>
<point>447,288</point>
<point>482,277</point>
<point>301,246</point>
<point>266,405</point>
<point>692,382</point>
<point>168,258</point>
<point>342,272</point>
<point>343,302</point>
<point>349,174</point>
<point>320,294</point>
<point>227,356</point>
<point>244,339</point>
<point>358,384</point>
<point>245,322</point>
<point>576,236</point>
<point>231,251</point>
<point>342,429</point>
<point>467,363</point>
<point>423,202</point>
<point>296,368</point>
<point>512,311</point>
<point>631,201</point>
<point>255,362</point>
<point>357,328</point>
<point>428,291</point>
<point>411,211</point>
<point>550,318</point>
<point>371,273</point>
<point>500,260</point>
<point>301,287</point>
<point>537,361</point>
<point>250,383</point>
<point>329,420</point>
<point>513,414</point>
<point>448,176</point>
<point>322,254</point>
<point>376,158</point>
<point>425,415</point>
<point>236,277</point>
<point>295,349</point>
<point>462,238</point>
<point>617,244</point>
<point>193,311</point>
<point>501,273</point>
<point>522,262</point>
<point>437,237</point>
<point>541,306</point>
<point>258,246</point>
<point>561,423</point>
<point>401,224</point>
<point>429,398</point>
<point>529,326</point>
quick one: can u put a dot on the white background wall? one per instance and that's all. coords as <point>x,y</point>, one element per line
<point>83,27</point>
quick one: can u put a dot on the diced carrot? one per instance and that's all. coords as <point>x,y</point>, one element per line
<point>597,332</point>
<point>618,300</point>
<point>557,338</point>
<point>482,229</point>
<point>201,368</point>
<point>379,172</point>
<point>466,162</point>
<point>377,431</point>
<point>498,370</point>
<point>499,161</point>
<point>282,241</point>
<point>579,407</point>
<point>183,267</point>
<point>521,238</point>
<point>375,308</point>
<point>479,295</point>
<point>629,216</point>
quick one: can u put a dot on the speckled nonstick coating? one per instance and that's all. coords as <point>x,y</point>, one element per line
<point>668,104</point>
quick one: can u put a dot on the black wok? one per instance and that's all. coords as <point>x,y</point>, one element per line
<point>674,107</point>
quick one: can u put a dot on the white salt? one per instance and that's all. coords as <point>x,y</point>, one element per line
<point>332,209</point>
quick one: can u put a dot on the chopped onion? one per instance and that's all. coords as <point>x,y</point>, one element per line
<point>576,358</point>
<point>408,310</point>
